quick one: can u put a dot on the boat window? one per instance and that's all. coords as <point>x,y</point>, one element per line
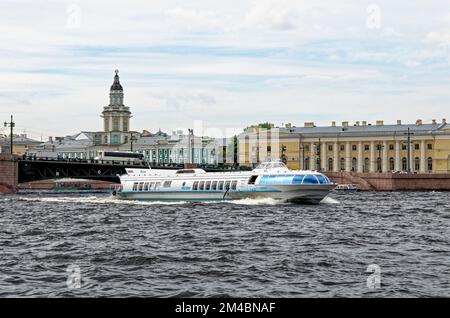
<point>157,185</point>
<point>141,185</point>
<point>310,179</point>
<point>146,186</point>
<point>202,185</point>
<point>252,179</point>
<point>208,185</point>
<point>298,179</point>
<point>185,171</point>
<point>150,187</point>
<point>167,184</point>
<point>135,186</point>
<point>227,185</point>
<point>234,185</point>
<point>214,185</point>
<point>195,186</point>
<point>220,187</point>
<point>322,179</point>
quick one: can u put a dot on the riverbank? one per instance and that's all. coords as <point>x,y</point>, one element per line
<point>393,181</point>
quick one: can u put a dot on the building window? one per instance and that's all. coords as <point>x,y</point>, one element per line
<point>403,146</point>
<point>404,164</point>
<point>430,146</point>
<point>416,146</point>
<point>330,147</point>
<point>391,164</point>
<point>269,148</point>
<point>330,164</point>
<point>115,124</point>
<point>105,139</point>
<point>366,165</point>
<point>342,164</point>
<point>354,147</point>
<point>417,164</point>
<point>306,148</point>
<point>366,147</point>
<point>354,164</point>
<point>379,168</point>
<point>391,146</point>
<point>125,125</point>
<point>342,147</point>
<point>430,164</point>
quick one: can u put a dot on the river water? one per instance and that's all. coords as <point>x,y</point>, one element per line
<point>62,245</point>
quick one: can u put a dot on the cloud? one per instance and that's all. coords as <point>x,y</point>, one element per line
<point>229,63</point>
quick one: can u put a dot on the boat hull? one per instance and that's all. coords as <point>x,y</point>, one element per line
<point>290,193</point>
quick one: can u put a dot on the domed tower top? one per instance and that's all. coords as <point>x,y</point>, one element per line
<point>116,84</point>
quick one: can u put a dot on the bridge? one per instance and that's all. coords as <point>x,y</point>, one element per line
<point>30,169</point>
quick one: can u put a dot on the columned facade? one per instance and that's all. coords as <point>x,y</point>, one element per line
<point>373,148</point>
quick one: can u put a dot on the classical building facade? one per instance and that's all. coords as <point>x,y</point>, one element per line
<point>362,147</point>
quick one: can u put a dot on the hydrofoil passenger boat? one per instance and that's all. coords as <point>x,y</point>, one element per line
<point>269,180</point>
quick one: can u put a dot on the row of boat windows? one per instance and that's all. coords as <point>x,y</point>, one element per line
<point>198,185</point>
<point>294,179</point>
<point>214,185</point>
<point>149,186</point>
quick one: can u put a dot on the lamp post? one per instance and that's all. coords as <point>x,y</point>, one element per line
<point>11,124</point>
<point>132,139</point>
<point>319,160</point>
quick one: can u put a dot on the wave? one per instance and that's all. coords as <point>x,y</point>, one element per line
<point>328,200</point>
<point>99,200</point>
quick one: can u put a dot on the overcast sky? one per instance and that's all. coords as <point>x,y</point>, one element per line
<point>227,63</point>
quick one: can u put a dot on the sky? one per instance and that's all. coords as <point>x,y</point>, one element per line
<point>222,65</point>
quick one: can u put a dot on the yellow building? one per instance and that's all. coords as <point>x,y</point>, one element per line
<point>21,144</point>
<point>361,147</point>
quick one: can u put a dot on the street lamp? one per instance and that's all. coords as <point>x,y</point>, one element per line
<point>11,124</point>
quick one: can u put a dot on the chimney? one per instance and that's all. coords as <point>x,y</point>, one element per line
<point>399,122</point>
<point>288,125</point>
<point>50,139</point>
<point>364,123</point>
<point>380,123</point>
<point>419,122</point>
<point>333,124</point>
<point>345,124</point>
<point>444,121</point>
<point>309,125</point>
<point>357,123</point>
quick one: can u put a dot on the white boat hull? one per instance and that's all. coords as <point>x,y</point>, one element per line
<point>291,193</point>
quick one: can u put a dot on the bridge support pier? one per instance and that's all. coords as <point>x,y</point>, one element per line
<point>8,173</point>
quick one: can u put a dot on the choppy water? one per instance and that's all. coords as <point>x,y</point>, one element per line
<point>247,248</point>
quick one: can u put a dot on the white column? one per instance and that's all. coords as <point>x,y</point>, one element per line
<point>348,167</point>
<point>312,160</point>
<point>384,165</point>
<point>336,158</point>
<point>397,155</point>
<point>360,157</point>
<point>411,156</point>
<point>372,156</point>
<point>323,156</point>
<point>302,160</point>
<point>422,156</point>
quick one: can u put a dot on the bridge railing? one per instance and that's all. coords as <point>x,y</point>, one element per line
<point>132,163</point>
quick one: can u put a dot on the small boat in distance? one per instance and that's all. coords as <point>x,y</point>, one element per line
<point>269,180</point>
